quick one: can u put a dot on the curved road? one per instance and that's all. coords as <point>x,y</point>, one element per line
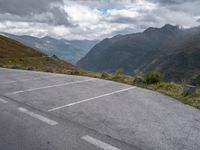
<point>47,111</point>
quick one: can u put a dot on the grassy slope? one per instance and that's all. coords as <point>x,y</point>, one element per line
<point>16,55</point>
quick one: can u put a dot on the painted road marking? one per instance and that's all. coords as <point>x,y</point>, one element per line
<point>30,72</point>
<point>30,79</point>
<point>99,143</point>
<point>90,99</point>
<point>46,87</point>
<point>41,118</point>
<point>3,101</point>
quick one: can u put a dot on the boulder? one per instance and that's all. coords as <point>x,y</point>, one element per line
<point>189,90</point>
<point>104,75</point>
<point>138,79</point>
<point>74,71</point>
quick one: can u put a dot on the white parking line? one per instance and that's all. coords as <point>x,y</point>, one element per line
<point>90,99</point>
<point>30,72</point>
<point>46,87</point>
<point>8,82</point>
<point>41,118</point>
<point>99,143</point>
<point>3,101</point>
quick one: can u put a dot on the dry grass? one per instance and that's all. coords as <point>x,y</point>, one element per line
<point>16,55</point>
<point>175,90</point>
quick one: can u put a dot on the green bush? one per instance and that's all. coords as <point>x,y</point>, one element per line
<point>117,75</point>
<point>30,68</point>
<point>152,77</point>
<point>196,80</point>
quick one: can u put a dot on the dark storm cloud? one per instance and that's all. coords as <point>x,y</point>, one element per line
<point>172,1</point>
<point>30,8</point>
<point>59,17</point>
<point>26,7</point>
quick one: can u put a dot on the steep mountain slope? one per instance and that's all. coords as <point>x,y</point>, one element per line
<point>179,58</point>
<point>15,54</point>
<point>170,50</point>
<point>71,51</point>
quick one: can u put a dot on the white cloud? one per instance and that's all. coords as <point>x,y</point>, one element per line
<point>82,14</point>
<point>97,19</point>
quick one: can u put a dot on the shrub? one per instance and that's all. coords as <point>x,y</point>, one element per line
<point>195,80</point>
<point>30,68</point>
<point>117,75</point>
<point>152,77</point>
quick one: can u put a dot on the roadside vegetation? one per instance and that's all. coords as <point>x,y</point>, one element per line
<point>151,80</point>
<point>18,56</point>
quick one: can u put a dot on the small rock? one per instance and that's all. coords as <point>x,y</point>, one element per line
<point>54,56</point>
<point>74,71</point>
<point>15,66</point>
<point>138,79</point>
<point>104,75</point>
<point>189,90</point>
<point>49,70</point>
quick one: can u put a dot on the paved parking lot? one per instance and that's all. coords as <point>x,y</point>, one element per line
<point>139,118</point>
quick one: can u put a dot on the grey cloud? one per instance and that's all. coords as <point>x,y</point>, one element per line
<point>119,2</point>
<point>42,17</point>
<point>60,17</point>
<point>148,18</point>
<point>27,9</point>
<point>188,7</point>
<point>172,1</point>
<point>125,31</point>
<point>123,20</point>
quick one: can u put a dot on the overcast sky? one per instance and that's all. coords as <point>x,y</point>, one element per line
<point>94,19</point>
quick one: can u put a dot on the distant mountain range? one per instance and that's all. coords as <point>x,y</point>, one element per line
<point>173,51</point>
<point>71,51</point>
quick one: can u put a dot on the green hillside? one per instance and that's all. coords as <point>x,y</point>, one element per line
<point>16,55</point>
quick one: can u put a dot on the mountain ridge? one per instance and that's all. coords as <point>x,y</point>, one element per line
<point>153,49</point>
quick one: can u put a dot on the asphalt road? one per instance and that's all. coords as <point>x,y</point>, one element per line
<point>46,111</point>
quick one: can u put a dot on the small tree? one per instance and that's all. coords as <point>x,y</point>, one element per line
<point>152,77</point>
